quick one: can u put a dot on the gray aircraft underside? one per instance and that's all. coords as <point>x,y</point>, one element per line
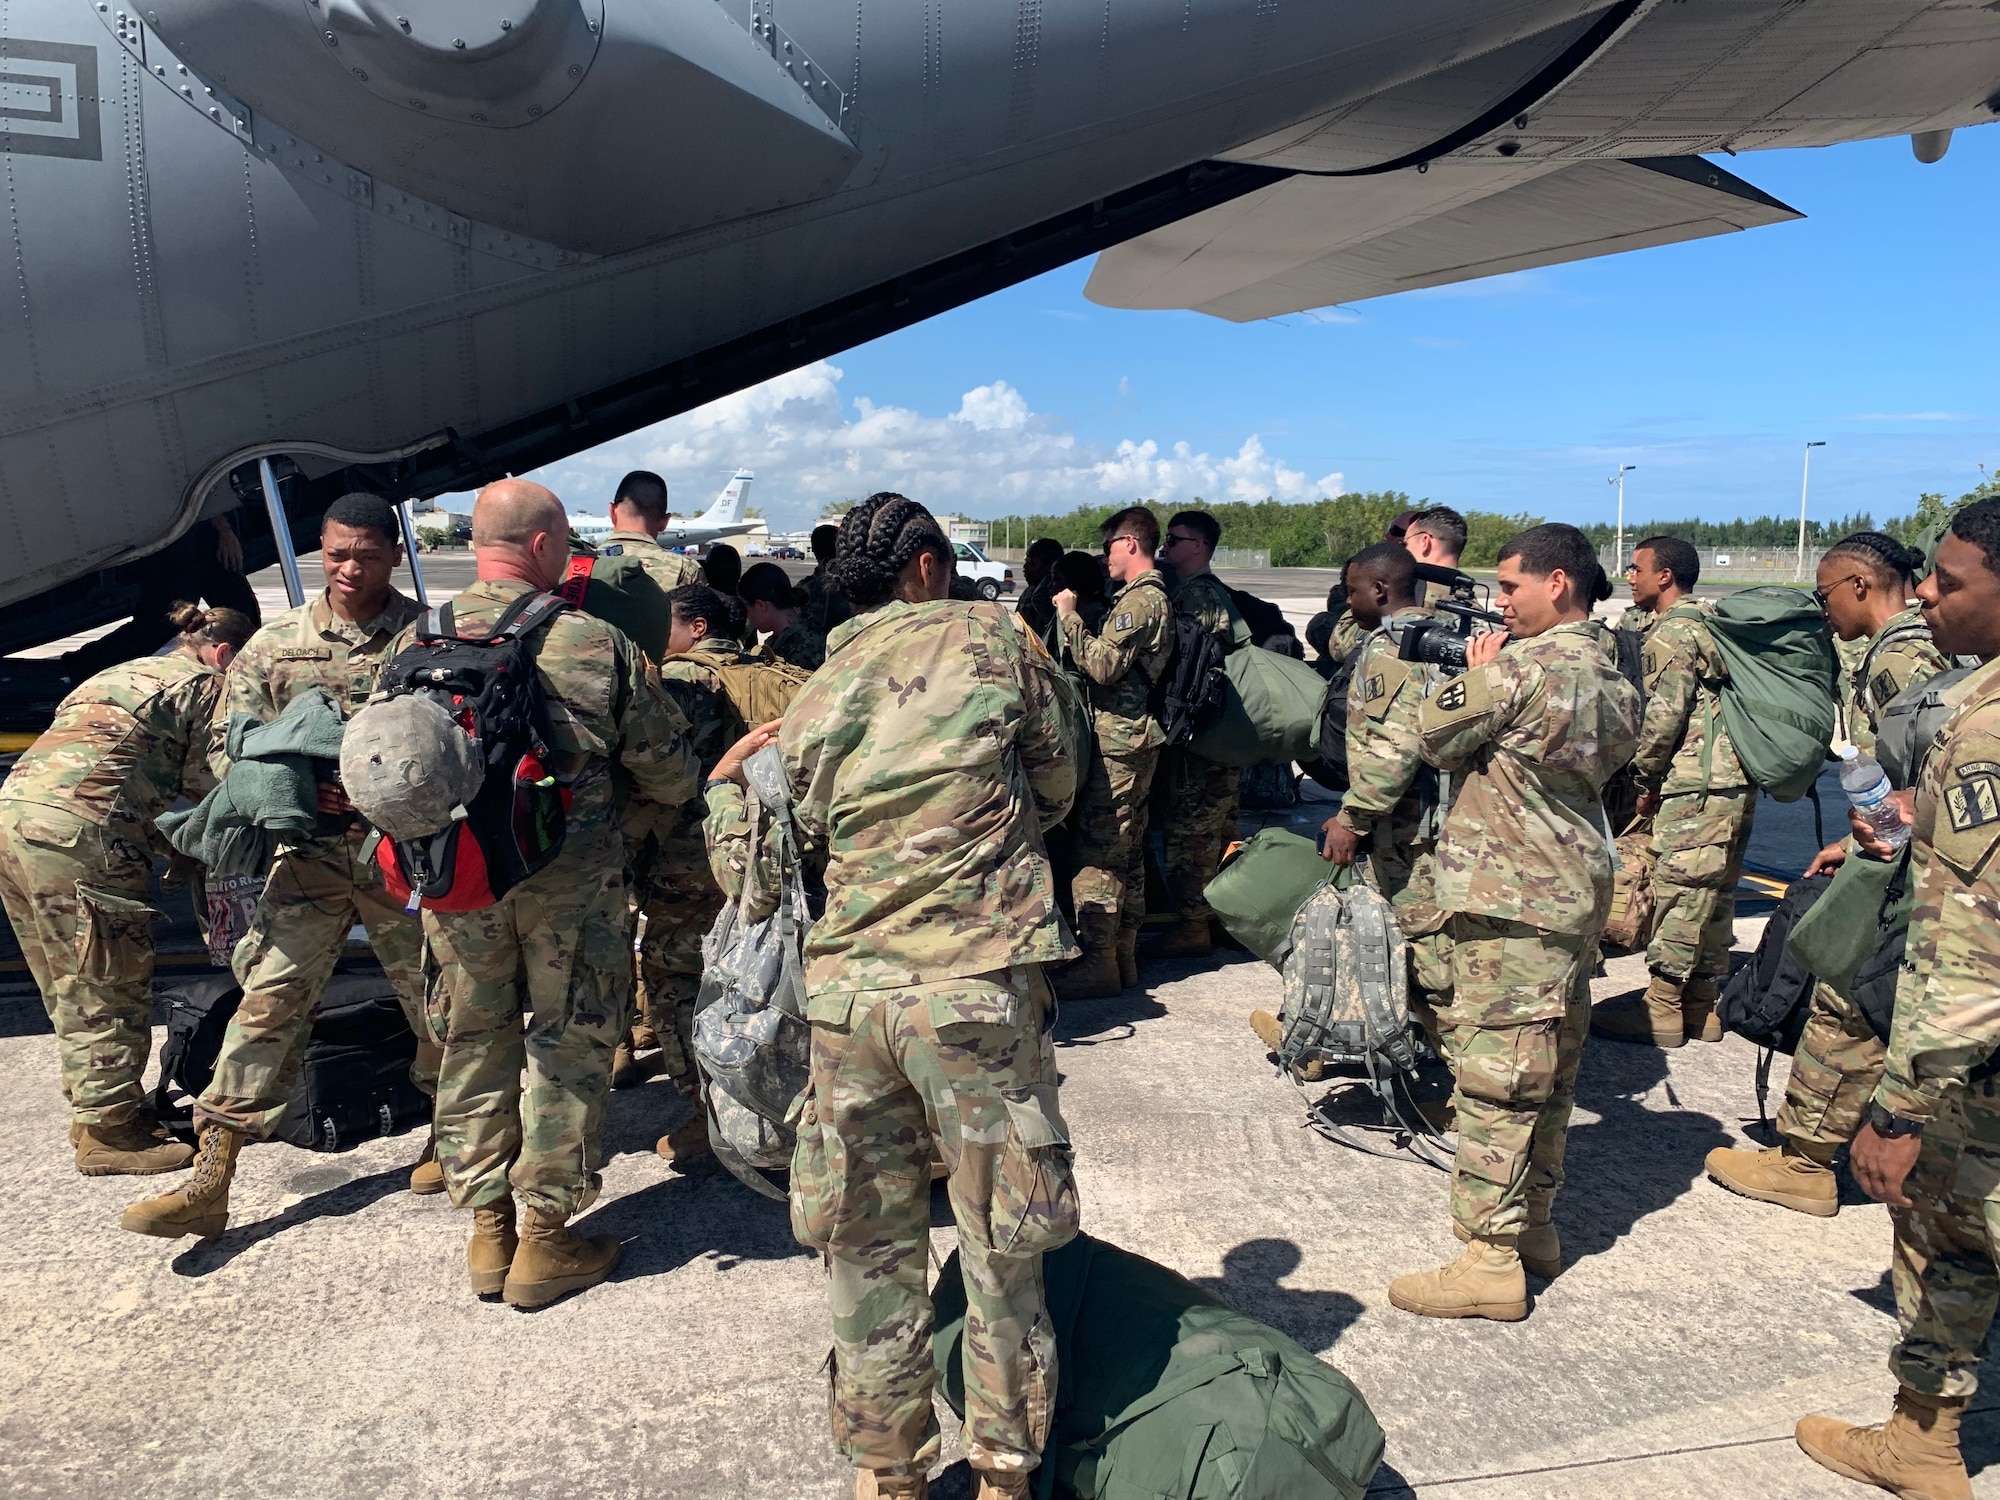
<point>411,245</point>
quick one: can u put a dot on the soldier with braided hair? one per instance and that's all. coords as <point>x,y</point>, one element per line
<point>925,759</point>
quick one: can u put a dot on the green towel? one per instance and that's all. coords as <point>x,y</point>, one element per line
<point>271,792</point>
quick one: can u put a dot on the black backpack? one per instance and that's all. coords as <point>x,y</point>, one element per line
<point>1330,769</point>
<point>1268,626</point>
<point>354,1080</point>
<point>1192,689</point>
<point>514,826</point>
<point>1770,997</point>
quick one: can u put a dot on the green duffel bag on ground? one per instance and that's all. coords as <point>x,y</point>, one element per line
<point>1271,712</point>
<point>1164,1391</point>
<point>1262,885</point>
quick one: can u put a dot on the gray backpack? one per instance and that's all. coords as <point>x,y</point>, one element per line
<point>1910,722</point>
<point>1347,1007</point>
<point>750,1031</point>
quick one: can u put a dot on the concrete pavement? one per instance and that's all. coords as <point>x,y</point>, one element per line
<point>325,1345</point>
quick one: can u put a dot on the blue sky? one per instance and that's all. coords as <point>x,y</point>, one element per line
<point>1872,324</point>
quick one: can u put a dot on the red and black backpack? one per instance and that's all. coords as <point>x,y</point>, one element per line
<point>514,826</point>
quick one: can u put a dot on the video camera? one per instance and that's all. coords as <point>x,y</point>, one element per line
<point>1441,643</point>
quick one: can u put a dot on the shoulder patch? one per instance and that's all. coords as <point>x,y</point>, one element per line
<point>1977,768</point>
<point>1374,688</point>
<point>1462,697</point>
<point>611,549</point>
<point>1973,802</point>
<point>1124,620</point>
<point>1883,688</point>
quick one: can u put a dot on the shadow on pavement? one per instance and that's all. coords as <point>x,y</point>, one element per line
<point>1631,1161</point>
<point>683,1217</point>
<point>351,1197</point>
<point>636,1118</point>
<point>1249,1282</point>
<point>1088,1023</point>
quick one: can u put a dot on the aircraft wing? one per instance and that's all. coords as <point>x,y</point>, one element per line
<point>1315,241</point>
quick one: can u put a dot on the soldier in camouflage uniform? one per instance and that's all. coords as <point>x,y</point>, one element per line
<point>556,947</point>
<point>1392,802</point>
<point>1120,661</point>
<point>776,608</point>
<point>638,516</point>
<point>926,759</point>
<point>1693,787</point>
<point>678,894</point>
<point>1864,580</point>
<point>1202,797</point>
<point>319,887</point>
<point>1535,726</point>
<point>76,861</point>
<point>1930,1146</point>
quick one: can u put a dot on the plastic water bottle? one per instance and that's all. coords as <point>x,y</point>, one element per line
<point>1868,792</point>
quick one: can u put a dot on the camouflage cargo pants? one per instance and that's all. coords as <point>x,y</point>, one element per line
<point>1943,1264</point>
<point>1834,1073</point>
<point>967,1064</point>
<point>75,892</point>
<point>680,905</point>
<point>1698,842</point>
<point>1111,836</point>
<point>1200,824</point>
<point>1407,875</point>
<point>314,896</point>
<point>1520,1012</point>
<point>556,947</point>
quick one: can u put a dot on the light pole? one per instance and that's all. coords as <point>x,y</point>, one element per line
<point>1805,476</point>
<point>1618,549</point>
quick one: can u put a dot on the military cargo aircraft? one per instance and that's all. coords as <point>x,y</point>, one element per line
<point>263,252</point>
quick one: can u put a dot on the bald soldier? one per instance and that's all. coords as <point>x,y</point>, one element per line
<point>557,946</point>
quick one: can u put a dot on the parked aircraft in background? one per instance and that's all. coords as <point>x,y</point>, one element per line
<point>722,520</point>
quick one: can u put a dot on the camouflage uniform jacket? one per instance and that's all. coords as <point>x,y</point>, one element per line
<point>1683,674</point>
<point>309,647</point>
<point>606,710</point>
<point>1121,661</point>
<point>926,758</point>
<point>825,606</point>
<point>1947,1025</point>
<point>1384,761</point>
<point>1536,732</point>
<point>1347,634</point>
<point>712,727</point>
<point>668,568</point>
<point>1205,597</point>
<point>799,644</point>
<point>1638,621</point>
<point>125,743</point>
<point>1897,656</point>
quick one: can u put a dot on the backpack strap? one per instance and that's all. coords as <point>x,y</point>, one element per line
<point>528,613</point>
<point>576,580</point>
<point>437,625</point>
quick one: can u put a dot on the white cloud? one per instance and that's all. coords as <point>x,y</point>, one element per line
<point>994,454</point>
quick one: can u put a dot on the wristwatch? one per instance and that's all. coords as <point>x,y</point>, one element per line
<point>1884,1123</point>
<point>715,781</point>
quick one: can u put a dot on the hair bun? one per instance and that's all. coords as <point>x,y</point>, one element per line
<point>1912,560</point>
<point>187,618</point>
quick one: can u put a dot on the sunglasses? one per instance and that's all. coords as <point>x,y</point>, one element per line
<point>1819,595</point>
<point>1175,541</point>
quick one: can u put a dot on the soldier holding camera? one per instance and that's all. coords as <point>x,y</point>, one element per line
<point>1535,725</point>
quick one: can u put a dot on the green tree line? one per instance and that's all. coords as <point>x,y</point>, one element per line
<point>1313,534</point>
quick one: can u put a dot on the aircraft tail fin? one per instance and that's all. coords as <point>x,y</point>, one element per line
<point>730,504</point>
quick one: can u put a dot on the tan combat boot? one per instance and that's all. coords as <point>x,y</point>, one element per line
<point>1783,1175</point>
<point>127,1149</point>
<point>1655,1019</point>
<point>1189,937</point>
<point>1914,1455</point>
<point>1128,955</point>
<point>427,1177</point>
<point>1095,975</point>
<point>993,1485</point>
<point>880,1484</point>
<point>644,1038</point>
<point>1540,1246</point>
<point>628,1069</point>
<point>686,1142</point>
<point>1698,1010</point>
<point>201,1207</point>
<point>490,1251</point>
<point>1485,1282</point>
<point>552,1261</point>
